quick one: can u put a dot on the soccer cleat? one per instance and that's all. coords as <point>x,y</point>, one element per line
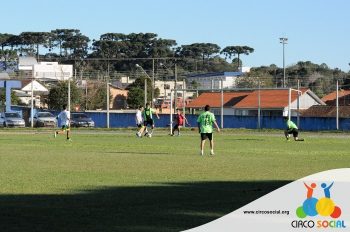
<point>212,152</point>
<point>69,140</point>
<point>201,153</point>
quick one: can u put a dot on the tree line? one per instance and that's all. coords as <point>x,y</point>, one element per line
<point>72,47</point>
<point>71,44</point>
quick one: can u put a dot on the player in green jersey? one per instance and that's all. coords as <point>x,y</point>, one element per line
<point>205,126</point>
<point>291,128</point>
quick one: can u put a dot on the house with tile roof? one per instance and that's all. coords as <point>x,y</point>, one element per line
<point>344,98</point>
<point>328,111</point>
<point>39,91</point>
<point>273,102</point>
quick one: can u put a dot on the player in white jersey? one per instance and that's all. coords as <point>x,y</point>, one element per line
<point>139,122</point>
<point>64,116</point>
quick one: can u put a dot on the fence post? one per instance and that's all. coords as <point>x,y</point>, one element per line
<point>222,104</point>
<point>298,105</point>
<point>107,102</point>
<point>259,105</point>
<point>171,112</point>
<point>337,106</point>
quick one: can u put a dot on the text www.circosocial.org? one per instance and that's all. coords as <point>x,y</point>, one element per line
<point>257,212</point>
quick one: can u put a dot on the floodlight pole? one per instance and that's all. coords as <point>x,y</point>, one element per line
<point>145,91</point>
<point>147,76</point>
<point>284,41</point>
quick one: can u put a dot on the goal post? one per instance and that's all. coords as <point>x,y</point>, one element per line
<point>260,105</point>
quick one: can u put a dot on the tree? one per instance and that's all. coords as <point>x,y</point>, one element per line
<point>136,93</point>
<point>78,45</point>
<point>198,50</point>
<point>135,97</point>
<point>58,95</point>
<point>96,96</point>
<point>4,40</point>
<point>230,51</point>
<point>14,98</point>
<point>60,36</point>
<point>35,39</point>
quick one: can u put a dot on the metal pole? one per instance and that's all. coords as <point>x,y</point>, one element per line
<point>175,92</point>
<point>259,105</point>
<point>184,100</point>
<point>153,84</point>
<point>145,91</point>
<point>284,68</point>
<point>289,102</point>
<point>107,102</point>
<point>171,112</point>
<point>32,106</point>
<point>86,94</point>
<point>298,105</point>
<point>283,41</point>
<point>212,85</point>
<point>337,106</point>
<point>222,104</point>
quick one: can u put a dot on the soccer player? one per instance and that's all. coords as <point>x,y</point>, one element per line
<point>139,121</point>
<point>148,118</point>
<point>205,126</point>
<point>291,129</point>
<point>64,116</point>
<point>179,120</point>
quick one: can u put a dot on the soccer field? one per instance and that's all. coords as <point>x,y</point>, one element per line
<point>113,181</point>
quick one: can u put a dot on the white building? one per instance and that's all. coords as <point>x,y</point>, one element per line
<point>26,63</point>
<point>24,94</point>
<point>45,70</point>
<point>52,71</point>
<point>213,80</point>
<point>165,88</point>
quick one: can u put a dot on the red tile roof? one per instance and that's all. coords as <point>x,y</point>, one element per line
<point>326,111</point>
<point>214,99</point>
<point>344,98</point>
<point>269,99</point>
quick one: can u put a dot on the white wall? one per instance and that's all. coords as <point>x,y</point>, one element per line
<point>306,101</point>
<point>206,82</point>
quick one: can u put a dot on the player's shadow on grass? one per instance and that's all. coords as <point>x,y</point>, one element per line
<point>168,207</point>
<point>138,153</point>
<point>247,139</point>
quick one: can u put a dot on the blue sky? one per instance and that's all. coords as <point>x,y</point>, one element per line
<point>318,30</point>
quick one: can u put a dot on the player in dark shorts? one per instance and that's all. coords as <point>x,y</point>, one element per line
<point>148,118</point>
<point>205,127</point>
<point>179,120</point>
<point>291,129</point>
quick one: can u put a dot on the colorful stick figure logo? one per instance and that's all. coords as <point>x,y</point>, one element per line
<point>324,206</point>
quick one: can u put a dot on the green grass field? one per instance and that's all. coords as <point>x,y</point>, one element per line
<point>112,181</point>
